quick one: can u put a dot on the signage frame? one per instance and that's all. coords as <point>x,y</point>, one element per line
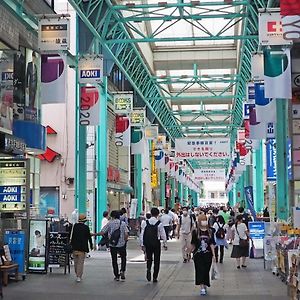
<point>124,108</point>
<point>138,117</point>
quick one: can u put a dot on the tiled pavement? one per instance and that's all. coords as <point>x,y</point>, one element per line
<point>176,281</point>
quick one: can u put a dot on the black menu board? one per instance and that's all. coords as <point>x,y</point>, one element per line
<point>57,256</point>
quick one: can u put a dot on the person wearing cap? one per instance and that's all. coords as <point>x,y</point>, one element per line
<point>80,238</point>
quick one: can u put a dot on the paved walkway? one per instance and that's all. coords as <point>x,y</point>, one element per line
<point>176,281</point>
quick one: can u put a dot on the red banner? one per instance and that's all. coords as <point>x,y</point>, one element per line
<point>289,7</point>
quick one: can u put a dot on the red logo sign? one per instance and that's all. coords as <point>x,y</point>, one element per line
<point>274,27</point>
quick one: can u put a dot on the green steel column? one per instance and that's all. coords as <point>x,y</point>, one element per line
<point>282,191</point>
<point>258,179</point>
<point>234,195</point>
<point>185,195</point>
<point>162,185</point>
<point>230,198</point>
<point>173,184</point>
<point>138,182</point>
<point>102,157</point>
<point>80,148</point>
<point>180,192</point>
<point>240,190</point>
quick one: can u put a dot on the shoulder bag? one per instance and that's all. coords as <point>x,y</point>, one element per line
<point>68,246</point>
<point>243,243</point>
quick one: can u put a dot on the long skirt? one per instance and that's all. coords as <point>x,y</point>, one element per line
<point>238,251</point>
<point>202,264</point>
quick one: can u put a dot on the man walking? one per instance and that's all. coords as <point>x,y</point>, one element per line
<point>184,231</point>
<point>118,235</point>
<point>151,234</point>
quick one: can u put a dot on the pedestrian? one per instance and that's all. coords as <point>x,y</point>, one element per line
<point>103,244</point>
<point>151,234</point>
<point>80,237</point>
<point>118,235</point>
<point>184,232</point>
<point>245,215</point>
<point>166,221</point>
<point>105,219</point>
<point>175,222</point>
<point>123,216</point>
<point>220,229</point>
<point>203,253</point>
<point>240,248</point>
<point>231,222</point>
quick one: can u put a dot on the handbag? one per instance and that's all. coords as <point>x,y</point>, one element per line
<point>243,243</point>
<point>68,247</point>
<point>104,240</point>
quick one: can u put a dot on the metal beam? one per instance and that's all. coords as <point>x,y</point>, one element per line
<point>202,113</point>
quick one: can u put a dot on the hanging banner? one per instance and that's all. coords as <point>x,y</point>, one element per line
<point>151,132</point>
<point>250,200</point>
<point>6,94</point>
<point>137,118</point>
<point>290,13</point>
<point>277,74</point>
<point>289,159</point>
<point>209,174</point>
<point>257,67</point>
<point>89,106</point>
<point>270,29</point>
<point>258,130</point>
<point>202,149</point>
<point>271,160</point>
<point>90,69</point>
<point>122,134</point>
<point>137,141</point>
<point>53,78</point>
<point>160,159</point>
<point>161,142</point>
<point>54,34</point>
<point>123,103</point>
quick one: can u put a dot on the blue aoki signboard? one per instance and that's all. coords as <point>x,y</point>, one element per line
<point>271,160</point>
<point>90,68</point>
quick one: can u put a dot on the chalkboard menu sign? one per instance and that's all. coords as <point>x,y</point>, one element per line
<point>57,256</point>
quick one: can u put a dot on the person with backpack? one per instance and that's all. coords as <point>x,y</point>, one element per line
<point>203,247</point>
<point>220,229</point>
<point>152,232</point>
<point>117,235</point>
<point>213,218</point>
<point>184,232</point>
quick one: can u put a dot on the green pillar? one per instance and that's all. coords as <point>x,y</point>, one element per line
<point>258,179</point>
<point>234,195</point>
<point>180,192</point>
<point>185,195</point>
<point>173,186</point>
<point>240,190</point>
<point>230,197</point>
<point>162,185</point>
<point>282,190</point>
<point>101,156</point>
<point>138,182</point>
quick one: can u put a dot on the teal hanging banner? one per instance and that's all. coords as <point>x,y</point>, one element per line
<point>250,200</point>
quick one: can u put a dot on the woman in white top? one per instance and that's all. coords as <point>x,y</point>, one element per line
<point>240,251</point>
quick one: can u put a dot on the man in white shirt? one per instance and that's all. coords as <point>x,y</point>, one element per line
<point>185,226</point>
<point>167,222</point>
<point>152,231</point>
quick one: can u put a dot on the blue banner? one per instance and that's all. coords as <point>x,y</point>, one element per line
<point>271,160</point>
<point>12,189</point>
<point>15,239</point>
<point>289,159</point>
<point>250,200</point>
<point>12,197</point>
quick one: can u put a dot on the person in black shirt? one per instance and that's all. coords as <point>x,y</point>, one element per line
<point>80,237</point>
<point>203,247</point>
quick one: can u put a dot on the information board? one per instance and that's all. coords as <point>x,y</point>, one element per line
<point>57,256</point>
<point>257,233</point>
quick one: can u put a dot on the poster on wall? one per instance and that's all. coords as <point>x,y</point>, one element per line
<point>6,94</point>
<point>54,34</point>
<point>53,78</point>
<point>19,84</point>
<point>32,86</point>
<point>37,245</point>
<point>90,69</point>
<point>49,202</point>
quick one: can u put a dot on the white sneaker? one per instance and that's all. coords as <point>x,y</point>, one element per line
<point>78,279</point>
<point>202,292</point>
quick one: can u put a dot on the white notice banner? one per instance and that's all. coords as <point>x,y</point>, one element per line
<point>213,148</point>
<point>54,34</point>
<point>90,69</point>
<point>270,29</point>
<point>209,174</point>
<point>123,103</point>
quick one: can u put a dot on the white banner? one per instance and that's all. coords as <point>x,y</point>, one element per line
<point>123,131</point>
<point>90,69</point>
<point>257,67</point>
<point>89,106</point>
<point>291,28</point>
<point>151,132</point>
<point>54,34</point>
<point>202,149</point>
<point>209,174</point>
<point>270,29</point>
<point>137,118</point>
<point>123,103</point>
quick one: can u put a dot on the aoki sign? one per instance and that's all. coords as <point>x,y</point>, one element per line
<point>90,69</point>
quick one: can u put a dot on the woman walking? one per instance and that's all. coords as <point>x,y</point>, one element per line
<point>220,229</point>
<point>240,243</point>
<point>80,237</point>
<point>203,253</point>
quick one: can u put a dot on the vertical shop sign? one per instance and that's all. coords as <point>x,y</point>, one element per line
<point>123,103</point>
<point>54,34</point>
<point>90,69</point>
<point>250,200</point>
<point>271,160</point>
<point>89,106</point>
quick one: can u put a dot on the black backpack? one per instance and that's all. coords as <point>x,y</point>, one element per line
<point>220,234</point>
<point>115,236</point>
<point>150,238</point>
